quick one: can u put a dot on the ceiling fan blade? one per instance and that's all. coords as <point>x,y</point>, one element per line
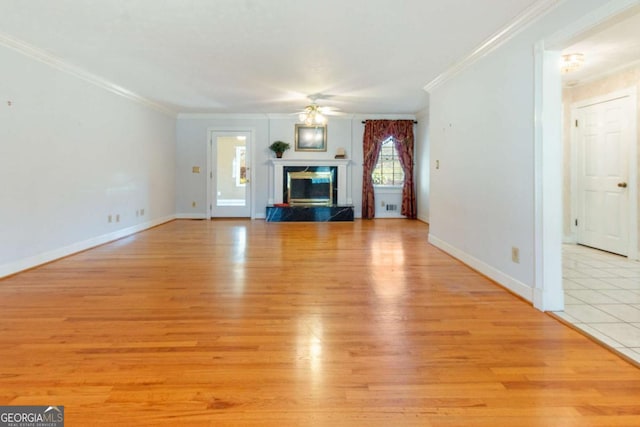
<point>329,110</point>
<point>319,95</point>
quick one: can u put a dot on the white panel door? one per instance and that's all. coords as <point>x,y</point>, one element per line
<point>603,163</point>
<point>230,175</point>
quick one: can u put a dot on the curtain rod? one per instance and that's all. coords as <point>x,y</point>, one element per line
<point>414,122</point>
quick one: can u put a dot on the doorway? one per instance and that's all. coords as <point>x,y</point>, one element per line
<point>230,174</point>
<point>549,185</point>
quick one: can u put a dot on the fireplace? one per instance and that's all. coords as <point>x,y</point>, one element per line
<point>310,190</point>
<point>310,185</point>
<point>338,167</point>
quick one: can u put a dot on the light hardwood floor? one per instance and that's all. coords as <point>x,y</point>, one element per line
<point>236,322</point>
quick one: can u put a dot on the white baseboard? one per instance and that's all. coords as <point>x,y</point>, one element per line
<point>191,216</point>
<point>389,216</point>
<point>514,285</point>
<point>45,257</point>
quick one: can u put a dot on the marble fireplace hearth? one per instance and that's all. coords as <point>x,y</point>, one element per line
<point>309,213</point>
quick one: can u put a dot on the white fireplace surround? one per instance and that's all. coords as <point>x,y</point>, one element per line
<point>344,197</point>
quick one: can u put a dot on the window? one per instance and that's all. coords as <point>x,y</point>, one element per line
<point>388,171</point>
<point>240,167</point>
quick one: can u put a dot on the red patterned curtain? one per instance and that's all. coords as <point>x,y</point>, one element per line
<point>375,132</point>
<point>404,147</point>
<point>371,143</point>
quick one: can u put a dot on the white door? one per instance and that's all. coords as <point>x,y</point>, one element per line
<point>603,175</point>
<point>230,174</point>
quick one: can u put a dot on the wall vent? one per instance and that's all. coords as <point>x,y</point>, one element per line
<point>392,207</point>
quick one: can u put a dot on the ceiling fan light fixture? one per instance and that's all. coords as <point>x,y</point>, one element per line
<point>571,62</point>
<point>312,116</point>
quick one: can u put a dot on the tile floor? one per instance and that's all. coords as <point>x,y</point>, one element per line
<point>602,297</point>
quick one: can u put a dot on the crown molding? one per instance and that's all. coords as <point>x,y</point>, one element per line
<point>294,116</point>
<point>238,116</point>
<point>59,64</point>
<point>283,116</point>
<point>364,116</point>
<point>522,21</point>
<point>422,113</point>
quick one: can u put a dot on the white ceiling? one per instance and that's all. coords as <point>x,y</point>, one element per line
<point>263,56</point>
<point>614,45</point>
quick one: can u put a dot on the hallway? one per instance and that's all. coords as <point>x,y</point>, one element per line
<point>602,297</point>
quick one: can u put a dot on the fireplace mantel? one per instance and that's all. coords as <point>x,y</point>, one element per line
<point>311,162</point>
<point>344,197</point>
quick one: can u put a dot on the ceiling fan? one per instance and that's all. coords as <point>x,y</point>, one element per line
<point>314,114</point>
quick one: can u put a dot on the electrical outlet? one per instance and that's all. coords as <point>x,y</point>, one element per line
<point>515,255</point>
<point>110,218</point>
<point>193,204</point>
<point>117,217</point>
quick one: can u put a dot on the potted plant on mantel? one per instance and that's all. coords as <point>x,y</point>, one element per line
<point>279,147</point>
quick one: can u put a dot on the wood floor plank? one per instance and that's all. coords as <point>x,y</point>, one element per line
<point>237,322</point>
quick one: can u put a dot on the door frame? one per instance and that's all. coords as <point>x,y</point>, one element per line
<point>548,293</point>
<point>632,189</point>
<point>210,170</point>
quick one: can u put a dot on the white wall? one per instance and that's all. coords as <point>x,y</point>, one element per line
<point>388,196</point>
<point>422,165</point>
<point>481,131</point>
<point>71,154</point>
<point>192,140</point>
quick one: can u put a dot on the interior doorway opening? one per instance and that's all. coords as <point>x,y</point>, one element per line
<point>549,170</point>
